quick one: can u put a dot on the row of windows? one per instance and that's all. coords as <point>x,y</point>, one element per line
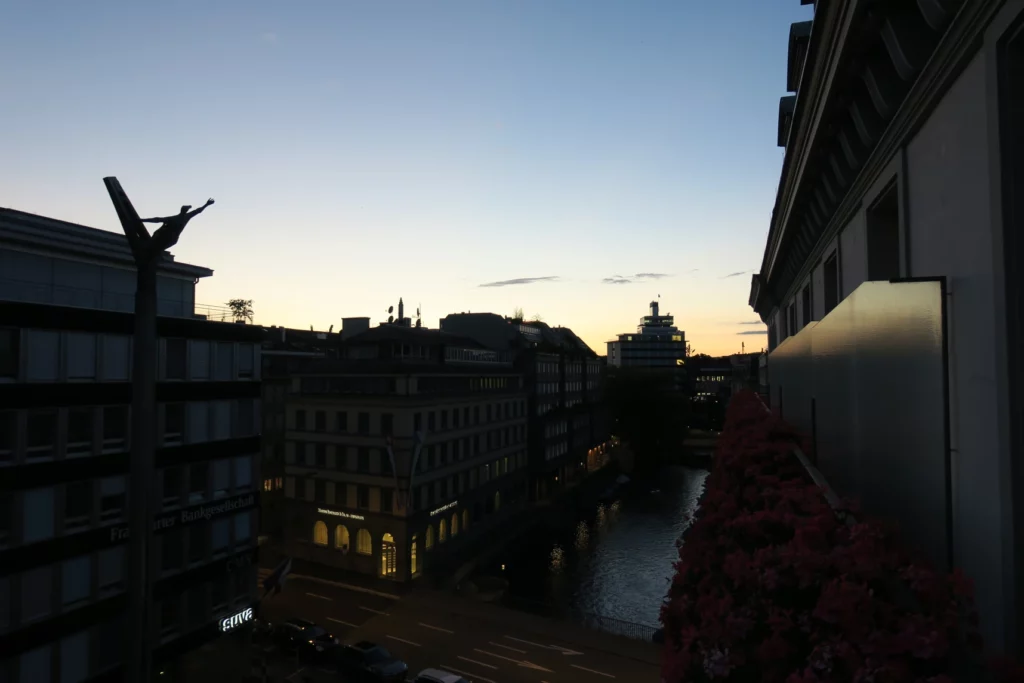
<point>202,542</point>
<point>99,648</point>
<point>385,422</point>
<point>556,450</point>
<point>80,431</point>
<point>80,505</point>
<point>53,356</point>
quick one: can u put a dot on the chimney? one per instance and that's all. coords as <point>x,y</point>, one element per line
<point>401,310</point>
<point>654,309</point>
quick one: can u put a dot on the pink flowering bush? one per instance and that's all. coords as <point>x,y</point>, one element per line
<point>772,586</point>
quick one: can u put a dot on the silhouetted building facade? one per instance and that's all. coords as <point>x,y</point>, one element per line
<point>564,380</point>
<point>66,325</point>
<point>406,447</point>
<point>891,278</point>
<point>657,345</point>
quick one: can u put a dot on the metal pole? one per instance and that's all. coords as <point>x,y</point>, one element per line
<point>143,452</point>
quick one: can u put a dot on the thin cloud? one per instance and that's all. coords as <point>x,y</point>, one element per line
<point>739,272</point>
<point>616,280</point>
<point>519,281</point>
<point>270,38</point>
<point>650,276</point>
<point>765,331</point>
<point>750,322</point>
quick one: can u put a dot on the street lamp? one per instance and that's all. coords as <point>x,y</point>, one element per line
<point>148,253</point>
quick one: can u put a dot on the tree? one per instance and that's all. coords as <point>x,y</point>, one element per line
<point>649,413</point>
<point>518,314</point>
<point>537,318</point>
<point>241,309</point>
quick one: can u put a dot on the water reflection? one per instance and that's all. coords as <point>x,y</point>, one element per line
<point>613,560</point>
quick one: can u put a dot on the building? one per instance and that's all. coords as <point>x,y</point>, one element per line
<point>891,278</point>
<point>66,323</point>
<point>284,351</point>
<point>402,450</point>
<point>657,345</point>
<point>568,421</point>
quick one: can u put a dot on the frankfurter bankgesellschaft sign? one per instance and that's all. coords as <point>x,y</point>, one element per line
<point>196,513</point>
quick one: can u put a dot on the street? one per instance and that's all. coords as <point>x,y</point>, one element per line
<point>426,633</point>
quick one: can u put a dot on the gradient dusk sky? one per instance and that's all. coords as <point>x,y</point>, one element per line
<point>363,151</point>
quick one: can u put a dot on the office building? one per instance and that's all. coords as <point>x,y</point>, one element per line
<point>891,278</point>
<point>66,324</point>
<point>656,345</point>
<point>568,422</point>
<point>407,446</point>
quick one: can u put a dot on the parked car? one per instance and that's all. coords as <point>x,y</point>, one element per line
<point>312,643</point>
<point>366,661</point>
<point>438,676</point>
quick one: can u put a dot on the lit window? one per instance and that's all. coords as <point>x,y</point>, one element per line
<point>430,537</point>
<point>341,537</point>
<point>442,531</point>
<point>465,519</point>
<point>320,533</point>
<point>413,567</point>
<point>455,524</point>
<point>364,544</point>
<point>388,556</point>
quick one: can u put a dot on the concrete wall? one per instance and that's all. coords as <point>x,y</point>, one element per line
<point>951,227</point>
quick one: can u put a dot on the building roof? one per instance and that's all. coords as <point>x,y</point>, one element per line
<point>497,332</point>
<point>412,335</point>
<point>72,241</point>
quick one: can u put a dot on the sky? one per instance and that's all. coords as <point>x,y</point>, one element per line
<point>573,158</point>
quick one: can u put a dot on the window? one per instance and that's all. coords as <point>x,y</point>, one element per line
<point>115,428</point>
<point>174,423</point>
<point>320,533</point>
<point>42,430</point>
<point>387,424</point>
<point>38,515</point>
<point>110,643</point>
<point>246,423</point>
<point>243,472</point>
<point>387,500</point>
<point>455,524</point>
<point>10,353</point>
<point>431,421</point>
<point>444,419</point>
<point>385,462</point>
<point>791,319</point>
<point>36,591</point>
<point>198,422</point>
<point>112,498</point>
<point>476,414</point>
<point>171,551</point>
<point>81,355</point>
<point>883,232</point>
<point>111,568</point>
<point>341,421</point>
<point>388,556</point>
<point>417,422</point>
<point>442,531</point>
<point>172,485</point>
<point>363,460</point>
<point>8,434</point>
<point>413,566</point>
<point>116,354</point>
<point>429,542</point>
<point>81,432</point>
<point>42,348</point>
<point>225,366</point>
<point>831,282</point>
<point>169,613</point>
<point>300,420</point>
<point>34,665</point>
<point>245,361</point>
<point>363,496</point>
<point>364,544</point>
<point>465,519</point>
<point>77,504</point>
<point>497,500</point>
<point>175,350</point>
<point>200,359</point>
<point>363,426</point>
<point>74,658</point>
<point>341,537</point>
<point>221,478</point>
<point>320,421</point>
<point>76,580</point>
<point>198,474</point>
<point>805,304</point>
<point>243,527</point>
<point>319,453</point>
<point>220,531</point>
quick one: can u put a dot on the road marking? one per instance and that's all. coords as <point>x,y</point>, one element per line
<point>294,674</point>
<point>473,661</point>
<point>375,611</point>
<point>524,664</point>
<point>556,648</point>
<point>472,677</point>
<point>403,640</point>
<point>599,673</point>
<point>320,597</point>
<point>506,647</point>
<point>343,623</point>
<point>437,628</point>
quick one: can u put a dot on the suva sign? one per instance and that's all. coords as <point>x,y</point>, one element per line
<point>234,621</point>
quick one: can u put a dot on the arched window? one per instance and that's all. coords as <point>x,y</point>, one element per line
<point>341,537</point>
<point>430,537</point>
<point>455,524</point>
<point>364,544</point>
<point>442,531</point>
<point>388,556</point>
<point>497,500</point>
<point>320,533</point>
<point>465,519</point>
<point>413,566</point>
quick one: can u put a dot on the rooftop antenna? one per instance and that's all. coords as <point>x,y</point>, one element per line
<point>310,328</point>
<point>330,329</point>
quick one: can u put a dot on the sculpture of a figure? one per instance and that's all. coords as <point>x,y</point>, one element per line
<point>166,236</point>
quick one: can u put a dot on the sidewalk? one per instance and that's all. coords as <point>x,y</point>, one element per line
<point>562,632</point>
<point>271,556</point>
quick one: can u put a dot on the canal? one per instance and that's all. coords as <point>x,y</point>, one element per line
<point>612,559</point>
